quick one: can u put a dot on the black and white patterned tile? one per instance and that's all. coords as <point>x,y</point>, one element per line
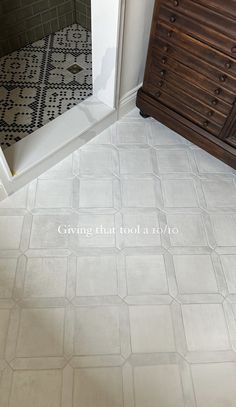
<point>36,85</point>
<point>74,37</point>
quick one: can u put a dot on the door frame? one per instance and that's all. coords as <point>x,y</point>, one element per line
<point>33,155</point>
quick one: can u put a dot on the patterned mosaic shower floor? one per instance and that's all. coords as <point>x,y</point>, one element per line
<point>36,85</point>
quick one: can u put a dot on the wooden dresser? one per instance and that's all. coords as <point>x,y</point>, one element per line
<point>190,77</point>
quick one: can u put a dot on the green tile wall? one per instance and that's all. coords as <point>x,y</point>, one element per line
<point>26,21</point>
<point>83,13</point>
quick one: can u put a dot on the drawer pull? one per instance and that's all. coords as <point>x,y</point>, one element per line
<point>233,50</point>
<point>170,33</point>
<point>166,48</point>
<point>214,102</point>
<point>210,113</point>
<point>223,78</point>
<point>160,83</point>
<point>173,19</point>
<point>206,123</point>
<point>217,91</point>
<point>158,94</point>
<point>164,60</point>
<point>163,72</point>
<point>228,65</point>
<point>176,3</point>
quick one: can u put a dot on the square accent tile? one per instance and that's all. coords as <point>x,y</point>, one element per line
<point>41,332</point>
<point>97,330</point>
<point>36,388</point>
<point>136,161</point>
<point>169,161</point>
<point>101,387</point>
<point>45,277</point>
<point>53,194</point>
<point>7,277</point>
<point>214,384</point>
<point>146,275</point>
<point>74,69</point>
<point>96,276</point>
<point>158,386</point>
<point>205,327</point>
<point>179,193</point>
<point>195,274</point>
<point>155,319</point>
<point>190,229</point>
<point>10,232</point>
<point>220,194</point>
<point>139,193</point>
<point>229,267</point>
<point>4,320</point>
<point>96,193</point>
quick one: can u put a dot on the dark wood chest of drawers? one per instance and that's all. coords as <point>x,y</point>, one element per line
<point>190,77</point>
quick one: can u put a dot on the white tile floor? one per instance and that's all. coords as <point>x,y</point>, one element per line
<point>100,316</point>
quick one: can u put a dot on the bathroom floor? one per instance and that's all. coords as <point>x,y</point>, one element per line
<point>118,277</point>
<point>36,85</point>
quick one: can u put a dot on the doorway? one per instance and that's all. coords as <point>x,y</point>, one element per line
<point>34,154</point>
<point>45,61</point>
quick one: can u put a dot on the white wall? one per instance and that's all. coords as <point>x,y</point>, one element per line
<point>105,42</point>
<point>138,17</point>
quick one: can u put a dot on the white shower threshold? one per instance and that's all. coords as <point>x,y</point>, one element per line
<point>48,145</point>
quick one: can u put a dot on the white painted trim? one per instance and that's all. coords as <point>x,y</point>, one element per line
<point>119,61</point>
<point>105,46</point>
<point>128,101</point>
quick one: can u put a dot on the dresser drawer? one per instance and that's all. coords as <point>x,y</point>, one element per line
<point>224,7</point>
<point>198,30</point>
<point>185,111</point>
<point>220,23</point>
<point>193,77</point>
<point>199,49</point>
<point>156,85</point>
<point>221,79</point>
<point>213,103</point>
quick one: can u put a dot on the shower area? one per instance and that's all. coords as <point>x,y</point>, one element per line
<point>45,63</point>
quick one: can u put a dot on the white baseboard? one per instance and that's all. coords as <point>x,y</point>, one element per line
<point>128,101</point>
